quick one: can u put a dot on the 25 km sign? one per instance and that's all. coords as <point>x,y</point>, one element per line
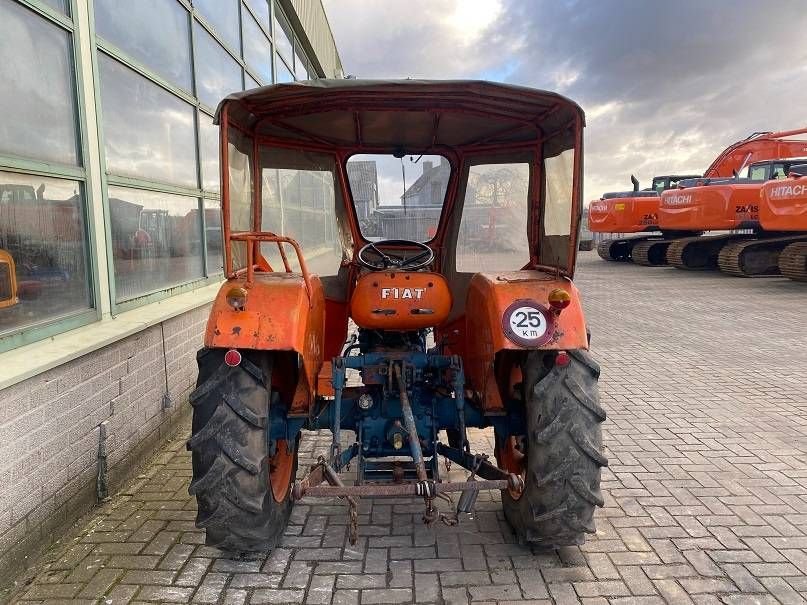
<point>527,323</point>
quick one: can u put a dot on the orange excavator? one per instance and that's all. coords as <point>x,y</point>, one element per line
<point>609,216</point>
<point>729,204</point>
<point>783,208</point>
<point>633,211</point>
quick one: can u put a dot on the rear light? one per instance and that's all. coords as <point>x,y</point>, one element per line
<point>559,299</point>
<point>562,359</point>
<point>232,358</point>
<point>237,298</point>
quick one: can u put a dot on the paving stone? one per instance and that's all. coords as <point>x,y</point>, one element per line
<point>379,596</point>
<point>268,595</point>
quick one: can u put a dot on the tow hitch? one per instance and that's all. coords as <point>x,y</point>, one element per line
<point>492,478</point>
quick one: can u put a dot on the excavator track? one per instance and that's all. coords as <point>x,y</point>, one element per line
<point>618,250</point>
<point>697,253</point>
<point>793,261</point>
<point>651,253</point>
<point>757,257</point>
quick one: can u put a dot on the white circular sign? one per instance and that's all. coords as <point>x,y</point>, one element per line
<point>528,323</point>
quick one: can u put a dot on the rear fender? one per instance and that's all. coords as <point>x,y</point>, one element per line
<point>490,298</point>
<point>278,316</point>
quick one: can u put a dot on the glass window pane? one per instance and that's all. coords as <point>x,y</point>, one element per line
<point>299,66</point>
<point>257,49</point>
<point>398,198</point>
<point>283,73</point>
<point>156,241</point>
<point>223,16</point>
<point>209,152</point>
<point>493,229</point>
<point>154,32</point>
<point>148,132</point>
<point>42,232</point>
<point>239,157</point>
<point>36,70</point>
<point>213,237</point>
<point>251,82</point>
<point>559,172</point>
<point>283,37</point>
<point>63,6</point>
<point>217,73</point>
<point>260,8</point>
<point>299,200</point>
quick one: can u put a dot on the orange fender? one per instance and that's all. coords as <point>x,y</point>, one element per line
<point>492,299</point>
<point>277,316</point>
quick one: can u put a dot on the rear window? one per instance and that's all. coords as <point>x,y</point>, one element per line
<point>398,198</point>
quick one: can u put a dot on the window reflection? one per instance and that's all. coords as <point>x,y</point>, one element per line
<point>299,200</point>
<point>37,75</point>
<point>283,73</point>
<point>217,73</point>
<point>42,236</point>
<point>156,240</point>
<point>257,49</point>
<point>209,153</point>
<point>213,237</point>
<point>251,82</point>
<point>300,67</point>
<point>148,132</point>
<point>223,16</point>
<point>155,32</point>
<point>261,10</point>
<point>493,229</point>
<point>283,38</point>
<point>63,6</point>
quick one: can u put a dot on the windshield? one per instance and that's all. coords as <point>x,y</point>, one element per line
<point>398,198</point>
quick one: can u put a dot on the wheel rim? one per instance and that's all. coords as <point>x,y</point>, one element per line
<point>280,467</point>
<point>513,461</point>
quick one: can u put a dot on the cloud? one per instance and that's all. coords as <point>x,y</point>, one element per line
<point>666,85</point>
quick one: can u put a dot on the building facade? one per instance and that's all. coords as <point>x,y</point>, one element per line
<point>110,235</point>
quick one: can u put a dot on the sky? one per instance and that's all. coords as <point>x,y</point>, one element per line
<point>666,85</point>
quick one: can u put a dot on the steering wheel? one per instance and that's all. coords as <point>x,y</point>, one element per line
<point>386,261</point>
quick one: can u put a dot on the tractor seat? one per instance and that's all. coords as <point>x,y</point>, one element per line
<point>400,300</point>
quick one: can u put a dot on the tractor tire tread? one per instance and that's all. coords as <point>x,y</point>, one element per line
<point>230,450</point>
<point>564,458</point>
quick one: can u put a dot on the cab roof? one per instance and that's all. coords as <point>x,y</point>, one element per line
<point>410,115</point>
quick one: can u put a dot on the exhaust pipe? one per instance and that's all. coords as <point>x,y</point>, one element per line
<point>635,182</point>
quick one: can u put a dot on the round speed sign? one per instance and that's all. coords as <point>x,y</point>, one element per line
<point>527,323</point>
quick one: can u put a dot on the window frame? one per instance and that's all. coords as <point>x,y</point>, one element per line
<point>47,328</point>
<point>81,28</point>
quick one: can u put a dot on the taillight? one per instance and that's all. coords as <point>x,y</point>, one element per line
<point>559,299</point>
<point>232,358</point>
<point>562,359</point>
<point>237,298</point>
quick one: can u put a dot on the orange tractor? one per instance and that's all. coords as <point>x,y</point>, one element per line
<point>8,281</point>
<point>783,208</point>
<point>676,214</point>
<point>447,337</point>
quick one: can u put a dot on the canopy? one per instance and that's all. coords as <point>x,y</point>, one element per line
<point>410,115</point>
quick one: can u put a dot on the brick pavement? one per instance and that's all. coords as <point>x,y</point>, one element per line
<point>705,382</point>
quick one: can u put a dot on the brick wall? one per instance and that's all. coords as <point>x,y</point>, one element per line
<point>50,426</point>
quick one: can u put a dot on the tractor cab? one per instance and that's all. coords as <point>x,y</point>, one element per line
<point>422,234</point>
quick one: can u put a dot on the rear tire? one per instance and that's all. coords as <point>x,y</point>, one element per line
<point>563,454</point>
<point>243,497</point>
